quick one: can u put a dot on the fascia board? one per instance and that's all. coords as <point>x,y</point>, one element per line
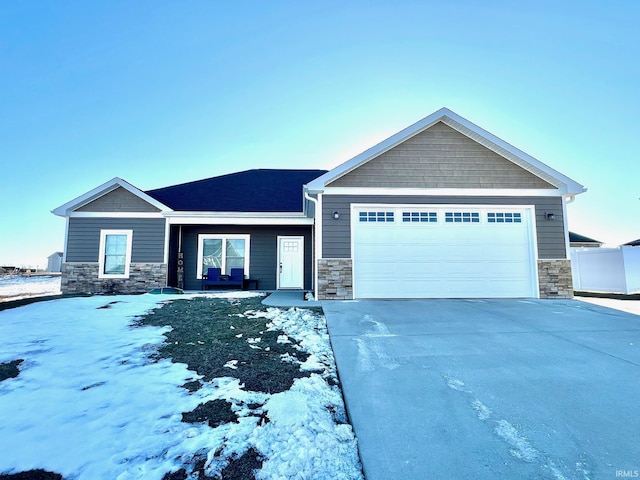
<point>196,214</point>
<point>115,215</point>
<point>103,189</point>
<point>209,218</point>
<point>447,192</point>
<point>465,127</point>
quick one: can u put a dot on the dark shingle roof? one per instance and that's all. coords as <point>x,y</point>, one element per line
<point>259,190</point>
<point>633,243</point>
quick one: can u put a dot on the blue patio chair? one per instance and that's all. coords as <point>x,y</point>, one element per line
<point>237,277</point>
<point>212,277</point>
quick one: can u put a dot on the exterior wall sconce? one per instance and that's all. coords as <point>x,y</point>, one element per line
<point>336,215</point>
<point>550,216</point>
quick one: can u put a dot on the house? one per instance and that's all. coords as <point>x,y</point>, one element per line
<point>443,208</point>
<point>577,241</point>
<point>633,243</point>
<point>54,262</point>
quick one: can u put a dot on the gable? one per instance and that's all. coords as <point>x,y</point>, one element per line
<point>440,157</point>
<point>118,200</point>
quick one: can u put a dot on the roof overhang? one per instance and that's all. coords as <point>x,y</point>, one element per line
<point>565,185</point>
<point>68,208</point>
<point>238,218</point>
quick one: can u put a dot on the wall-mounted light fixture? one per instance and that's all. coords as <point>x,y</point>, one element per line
<point>336,214</point>
<point>550,216</point>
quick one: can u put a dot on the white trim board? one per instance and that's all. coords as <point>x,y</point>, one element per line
<point>445,192</point>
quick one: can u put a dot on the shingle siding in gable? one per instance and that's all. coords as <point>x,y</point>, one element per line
<point>336,234</point>
<point>118,200</point>
<point>440,157</point>
<point>83,240</point>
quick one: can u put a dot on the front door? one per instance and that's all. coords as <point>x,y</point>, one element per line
<point>290,262</point>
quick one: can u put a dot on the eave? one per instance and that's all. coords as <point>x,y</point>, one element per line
<point>238,218</point>
<point>447,192</point>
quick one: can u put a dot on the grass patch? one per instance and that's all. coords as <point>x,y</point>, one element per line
<point>240,468</point>
<point>215,413</point>
<point>214,338</point>
<point>32,475</point>
<point>10,369</point>
<point>8,304</point>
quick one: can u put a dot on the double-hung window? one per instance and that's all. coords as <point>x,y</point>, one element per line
<point>223,251</point>
<point>115,253</point>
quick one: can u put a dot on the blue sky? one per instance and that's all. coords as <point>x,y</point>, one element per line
<point>164,92</point>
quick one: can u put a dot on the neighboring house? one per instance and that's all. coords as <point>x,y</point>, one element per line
<point>606,270</point>
<point>54,262</point>
<point>576,241</point>
<point>441,209</point>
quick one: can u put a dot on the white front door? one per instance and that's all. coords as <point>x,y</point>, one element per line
<point>290,262</point>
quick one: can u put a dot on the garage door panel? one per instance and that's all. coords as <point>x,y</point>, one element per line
<point>439,259</point>
<point>436,288</point>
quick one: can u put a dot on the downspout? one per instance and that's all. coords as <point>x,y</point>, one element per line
<point>167,241</point>
<point>314,233</point>
<point>66,240</point>
<point>567,244</point>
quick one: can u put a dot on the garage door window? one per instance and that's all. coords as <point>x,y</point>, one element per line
<point>504,217</point>
<point>420,217</point>
<point>376,217</point>
<point>462,217</point>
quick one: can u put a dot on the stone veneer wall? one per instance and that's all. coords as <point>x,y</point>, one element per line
<point>335,279</point>
<point>554,278</point>
<point>83,278</point>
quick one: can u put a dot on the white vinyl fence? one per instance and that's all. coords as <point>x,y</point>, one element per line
<point>610,270</point>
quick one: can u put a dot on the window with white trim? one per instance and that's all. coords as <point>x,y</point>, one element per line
<point>376,217</point>
<point>114,258</point>
<point>224,252</point>
<point>462,217</point>
<point>504,217</point>
<point>419,217</point>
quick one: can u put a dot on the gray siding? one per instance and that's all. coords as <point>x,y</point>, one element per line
<point>83,241</point>
<point>440,157</point>
<point>263,253</point>
<point>118,200</point>
<point>336,234</point>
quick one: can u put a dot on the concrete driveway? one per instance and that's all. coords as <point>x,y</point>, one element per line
<point>489,389</point>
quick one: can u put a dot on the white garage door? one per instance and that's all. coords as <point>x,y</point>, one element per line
<point>443,252</point>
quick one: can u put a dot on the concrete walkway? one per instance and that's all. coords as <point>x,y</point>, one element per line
<point>486,389</point>
<point>289,298</point>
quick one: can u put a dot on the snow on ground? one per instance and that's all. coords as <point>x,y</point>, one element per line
<point>90,403</point>
<point>15,287</point>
